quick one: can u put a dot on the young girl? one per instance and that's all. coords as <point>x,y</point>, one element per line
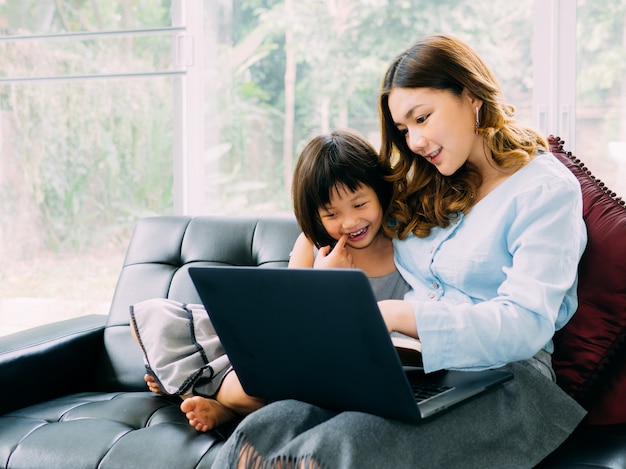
<point>340,196</point>
<point>488,231</point>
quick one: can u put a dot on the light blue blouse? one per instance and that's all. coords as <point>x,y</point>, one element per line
<point>493,287</point>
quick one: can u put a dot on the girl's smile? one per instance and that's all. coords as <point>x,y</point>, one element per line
<point>357,214</point>
<point>358,235</point>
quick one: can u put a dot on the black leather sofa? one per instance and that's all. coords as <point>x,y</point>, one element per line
<point>73,394</point>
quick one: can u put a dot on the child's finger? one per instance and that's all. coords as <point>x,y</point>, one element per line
<point>323,251</point>
<point>341,242</point>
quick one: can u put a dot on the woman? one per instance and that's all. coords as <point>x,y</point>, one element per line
<point>477,189</point>
<point>488,232</point>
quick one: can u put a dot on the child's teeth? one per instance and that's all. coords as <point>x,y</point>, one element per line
<point>353,235</point>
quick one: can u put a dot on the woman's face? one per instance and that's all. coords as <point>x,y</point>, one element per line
<point>357,214</point>
<point>438,125</point>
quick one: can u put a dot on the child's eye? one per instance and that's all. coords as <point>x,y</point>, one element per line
<point>362,204</point>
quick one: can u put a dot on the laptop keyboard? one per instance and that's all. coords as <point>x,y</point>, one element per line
<point>424,390</point>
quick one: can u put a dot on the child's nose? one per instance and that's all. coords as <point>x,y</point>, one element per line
<point>350,221</point>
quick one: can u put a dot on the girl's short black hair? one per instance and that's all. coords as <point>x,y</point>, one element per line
<point>341,158</point>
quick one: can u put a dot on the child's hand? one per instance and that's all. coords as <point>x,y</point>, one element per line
<point>339,257</point>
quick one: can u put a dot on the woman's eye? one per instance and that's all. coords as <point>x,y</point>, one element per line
<point>403,132</point>
<point>422,119</point>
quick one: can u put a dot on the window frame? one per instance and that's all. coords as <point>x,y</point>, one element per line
<point>554,69</point>
<point>188,158</point>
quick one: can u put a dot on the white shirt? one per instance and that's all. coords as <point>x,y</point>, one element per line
<point>494,286</point>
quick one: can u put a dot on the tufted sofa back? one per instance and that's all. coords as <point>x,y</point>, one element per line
<point>156,265</point>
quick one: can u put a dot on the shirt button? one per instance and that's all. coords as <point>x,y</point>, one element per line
<point>432,295</point>
<point>435,285</point>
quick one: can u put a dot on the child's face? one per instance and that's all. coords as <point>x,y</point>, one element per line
<point>358,213</point>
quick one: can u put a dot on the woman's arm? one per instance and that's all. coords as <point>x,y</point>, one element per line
<point>399,317</point>
<point>495,291</point>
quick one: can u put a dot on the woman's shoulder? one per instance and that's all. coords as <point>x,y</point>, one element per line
<point>544,178</point>
<point>546,170</point>
<point>543,185</point>
<point>546,163</point>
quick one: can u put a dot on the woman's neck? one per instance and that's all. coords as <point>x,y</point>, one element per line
<point>491,176</point>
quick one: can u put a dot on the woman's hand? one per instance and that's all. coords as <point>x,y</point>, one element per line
<point>399,317</point>
<point>339,257</point>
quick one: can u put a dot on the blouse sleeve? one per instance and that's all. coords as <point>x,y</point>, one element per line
<point>544,235</point>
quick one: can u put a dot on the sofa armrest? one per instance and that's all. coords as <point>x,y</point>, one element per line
<point>49,361</point>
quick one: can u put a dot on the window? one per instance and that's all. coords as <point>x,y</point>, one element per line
<point>279,72</point>
<point>86,140</point>
<point>580,84</point>
<point>601,90</point>
<point>114,110</point>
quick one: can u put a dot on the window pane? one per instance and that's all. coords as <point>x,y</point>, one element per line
<point>81,162</point>
<point>26,17</point>
<point>279,72</point>
<point>601,90</point>
<point>71,56</point>
<point>82,159</point>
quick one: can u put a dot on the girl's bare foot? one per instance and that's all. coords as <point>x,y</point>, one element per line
<point>205,414</point>
<point>152,384</point>
<point>154,387</point>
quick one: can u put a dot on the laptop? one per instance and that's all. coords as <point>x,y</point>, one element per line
<point>317,335</point>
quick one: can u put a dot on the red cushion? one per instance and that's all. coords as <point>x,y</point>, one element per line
<point>590,351</point>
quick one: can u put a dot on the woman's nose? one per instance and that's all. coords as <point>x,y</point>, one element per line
<point>416,142</point>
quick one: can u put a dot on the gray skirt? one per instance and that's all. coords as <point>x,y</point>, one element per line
<point>515,425</point>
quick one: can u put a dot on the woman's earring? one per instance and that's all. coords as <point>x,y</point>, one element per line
<point>476,131</point>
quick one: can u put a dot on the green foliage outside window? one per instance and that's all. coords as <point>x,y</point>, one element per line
<point>94,153</point>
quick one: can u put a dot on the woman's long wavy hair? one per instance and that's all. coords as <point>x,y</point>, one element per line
<point>424,198</point>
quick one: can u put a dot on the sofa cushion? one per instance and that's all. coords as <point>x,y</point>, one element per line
<point>118,429</point>
<point>590,351</point>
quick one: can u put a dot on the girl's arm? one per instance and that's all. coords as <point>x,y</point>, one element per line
<point>302,254</point>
